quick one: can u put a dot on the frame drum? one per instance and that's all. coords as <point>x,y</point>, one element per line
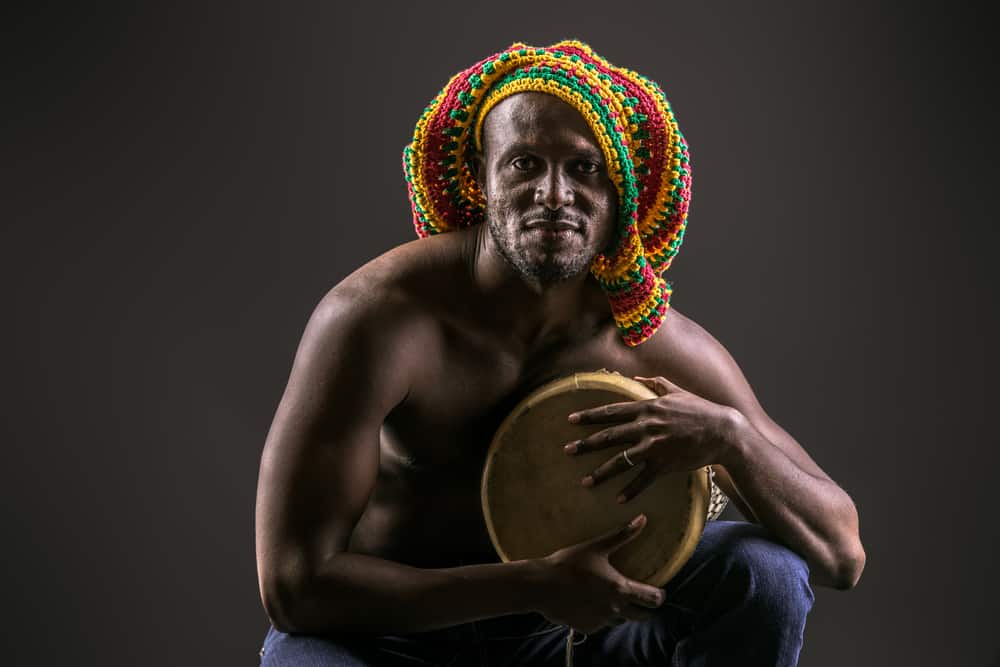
<point>534,504</point>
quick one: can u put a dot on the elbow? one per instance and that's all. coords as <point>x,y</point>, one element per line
<point>298,602</point>
<point>852,569</point>
<point>287,592</point>
<point>846,555</point>
<point>279,597</point>
<point>845,571</point>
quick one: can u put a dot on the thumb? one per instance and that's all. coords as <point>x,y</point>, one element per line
<point>659,384</point>
<point>619,537</point>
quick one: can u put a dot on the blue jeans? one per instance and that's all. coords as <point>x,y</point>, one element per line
<point>741,599</point>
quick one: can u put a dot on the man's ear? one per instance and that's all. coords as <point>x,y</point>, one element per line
<point>477,165</point>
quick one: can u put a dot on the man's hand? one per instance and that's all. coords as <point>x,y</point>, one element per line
<point>675,432</point>
<point>582,590</point>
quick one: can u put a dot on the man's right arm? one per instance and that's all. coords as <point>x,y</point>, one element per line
<point>318,469</point>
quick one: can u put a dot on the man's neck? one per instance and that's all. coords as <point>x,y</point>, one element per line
<point>528,310</point>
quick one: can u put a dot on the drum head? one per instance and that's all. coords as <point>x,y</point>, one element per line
<point>533,501</point>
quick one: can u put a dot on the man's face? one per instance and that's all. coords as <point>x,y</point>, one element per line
<point>550,205</point>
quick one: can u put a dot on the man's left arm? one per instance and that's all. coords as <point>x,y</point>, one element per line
<point>708,414</point>
<point>769,472</point>
<point>787,492</point>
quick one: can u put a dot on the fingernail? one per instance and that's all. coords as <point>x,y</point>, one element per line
<point>621,498</point>
<point>588,481</point>
<point>574,418</point>
<point>570,448</point>
<point>638,521</point>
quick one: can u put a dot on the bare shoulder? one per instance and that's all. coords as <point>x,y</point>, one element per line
<point>397,276</point>
<point>396,289</point>
<point>382,314</point>
<point>690,356</point>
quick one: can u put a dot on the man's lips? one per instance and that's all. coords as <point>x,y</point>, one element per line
<point>552,225</point>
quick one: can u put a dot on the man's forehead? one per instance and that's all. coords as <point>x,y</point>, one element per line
<point>537,118</point>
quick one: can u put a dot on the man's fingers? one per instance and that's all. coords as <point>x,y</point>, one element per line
<point>659,384</point>
<point>608,437</point>
<point>613,412</point>
<point>645,477</point>
<point>643,595</point>
<point>618,537</point>
<point>616,465</point>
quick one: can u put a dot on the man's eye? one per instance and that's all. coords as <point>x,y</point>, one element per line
<point>588,167</point>
<point>523,163</point>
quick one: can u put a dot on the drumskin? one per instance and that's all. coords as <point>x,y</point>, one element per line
<point>526,469</point>
<point>647,157</point>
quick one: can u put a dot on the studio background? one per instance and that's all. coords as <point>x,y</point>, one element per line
<point>183,183</point>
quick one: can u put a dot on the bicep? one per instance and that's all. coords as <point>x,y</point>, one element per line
<point>320,461</point>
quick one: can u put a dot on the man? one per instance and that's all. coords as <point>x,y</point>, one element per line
<point>371,545</point>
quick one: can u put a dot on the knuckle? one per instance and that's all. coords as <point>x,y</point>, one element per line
<point>652,596</point>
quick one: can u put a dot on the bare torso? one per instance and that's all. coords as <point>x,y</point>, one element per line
<point>425,508</point>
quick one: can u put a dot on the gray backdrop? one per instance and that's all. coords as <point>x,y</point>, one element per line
<point>182,183</point>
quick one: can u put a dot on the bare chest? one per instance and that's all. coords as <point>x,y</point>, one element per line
<point>467,388</point>
<point>426,504</point>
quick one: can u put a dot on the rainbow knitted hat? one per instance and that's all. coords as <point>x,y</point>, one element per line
<point>646,155</point>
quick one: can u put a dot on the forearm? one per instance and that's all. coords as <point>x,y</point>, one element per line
<point>364,594</point>
<point>810,514</point>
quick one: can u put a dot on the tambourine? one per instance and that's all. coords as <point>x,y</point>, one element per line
<point>533,502</point>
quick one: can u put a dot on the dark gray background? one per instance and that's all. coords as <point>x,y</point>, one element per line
<point>181,184</point>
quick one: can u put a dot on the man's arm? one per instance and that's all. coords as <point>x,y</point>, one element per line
<point>318,469</point>
<point>769,476</point>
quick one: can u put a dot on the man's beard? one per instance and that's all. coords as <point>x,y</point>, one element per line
<point>555,269</point>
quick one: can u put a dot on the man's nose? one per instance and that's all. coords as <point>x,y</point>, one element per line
<point>553,191</point>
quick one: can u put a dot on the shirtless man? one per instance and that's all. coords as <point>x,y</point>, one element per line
<point>371,544</point>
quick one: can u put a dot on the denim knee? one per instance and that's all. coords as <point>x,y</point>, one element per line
<point>743,599</point>
<point>775,578</point>
<point>285,650</point>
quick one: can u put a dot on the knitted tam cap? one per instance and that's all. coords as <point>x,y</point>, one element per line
<point>646,155</point>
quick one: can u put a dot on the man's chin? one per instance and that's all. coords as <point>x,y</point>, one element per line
<point>551,274</point>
